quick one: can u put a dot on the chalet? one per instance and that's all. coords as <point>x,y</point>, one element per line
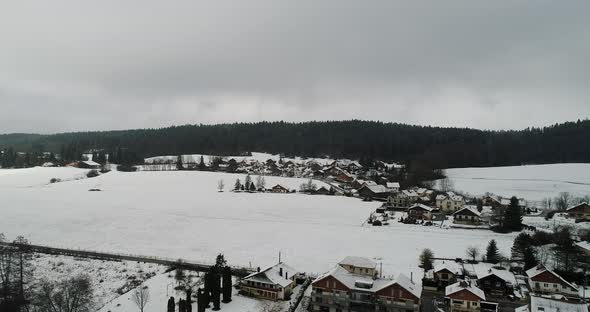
<point>544,281</point>
<point>353,285</point>
<point>398,200</point>
<point>357,184</point>
<point>374,191</point>
<point>421,212</point>
<point>494,281</point>
<point>274,283</point>
<point>393,186</point>
<point>279,189</point>
<point>450,202</point>
<point>344,177</point>
<point>467,216</point>
<point>323,191</point>
<point>580,212</point>
<point>464,297</point>
<point>86,164</point>
<point>412,195</point>
<point>445,272</point>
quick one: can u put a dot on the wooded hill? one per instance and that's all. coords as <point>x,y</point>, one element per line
<point>435,146</point>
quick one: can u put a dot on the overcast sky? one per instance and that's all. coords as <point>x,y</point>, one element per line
<point>94,65</point>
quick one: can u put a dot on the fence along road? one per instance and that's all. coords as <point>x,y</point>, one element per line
<point>176,263</point>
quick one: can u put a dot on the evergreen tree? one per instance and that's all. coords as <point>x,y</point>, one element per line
<point>220,262</point>
<point>529,258</point>
<point>237,185</point>
<point>492,253</point>
<point>426,259</point>
<point>171,305</point>
<point>202,165</point>
<point>179,164</point>
<point>521,242</point>
<point>227,284</point>
<point>201,306</point>
<point>513,216</point>
<point>247,182</point>
<point>232,165</point>
<point>252,187</point>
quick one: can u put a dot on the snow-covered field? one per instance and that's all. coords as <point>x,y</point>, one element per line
<point>181,215</point>
<point>533,182</point>
<point>109,278</point>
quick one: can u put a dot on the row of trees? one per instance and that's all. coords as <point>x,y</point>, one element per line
<point>492,255</point>
<point>563,201</point>
<point>435,147</point>
<point>250,185</point>
<point>214,287</point>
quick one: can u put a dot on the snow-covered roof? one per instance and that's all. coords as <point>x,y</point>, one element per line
<point>483,269</point>
<point>90,163</point>
<point>541,303</point>
<point>540,268</point>
<point>578,205</point>
<point>454,197</point>
<point>410,193</point>
<point>584,245</point>
<point>457,287</point>
<point>468,209</point>
<point>421,206</point>
<point>370,183</point>
<point>393,184</point>
<point>448,265</point>
<point>272,275</point>
<point>368,284</point>
<point>377,188</point>
<point>441,197</point>
<point>359,262</point>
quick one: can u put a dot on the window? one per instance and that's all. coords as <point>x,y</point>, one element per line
<point>537,285</point>
<point>545,285</point>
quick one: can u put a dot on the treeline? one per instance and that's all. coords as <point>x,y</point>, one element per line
<point>434,146</point>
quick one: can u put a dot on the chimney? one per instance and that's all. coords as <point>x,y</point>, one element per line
<point>281,271</point>
<point>258,269</point>
<point>412,277</point>
<point>286,275</point>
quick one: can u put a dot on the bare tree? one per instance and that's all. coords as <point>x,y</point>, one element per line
<point>445,185</point>
<point>260,182</point>
<point>547,203</point>
<point>141,297</point>
<point>220,185</point>
<point>563,200</point>
<point>71,295</point>
<point>472,252</point>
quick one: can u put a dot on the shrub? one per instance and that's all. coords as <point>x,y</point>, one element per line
<point>92,173</point>
<point>126,168</point>
<point>54,180</point>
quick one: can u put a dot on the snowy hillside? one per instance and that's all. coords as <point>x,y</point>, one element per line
<point>533,182</point>
<point>181,215</point>
<point>38,176</point>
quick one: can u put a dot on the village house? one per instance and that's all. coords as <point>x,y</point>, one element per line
<point>494,281</point>
<point>544,281</point>
<point>467,215</point>
<point>445,272</point>
<point>279,189</point>
<point>353,285</point>
<point>398,200</point>
<point>464,297</point>
<point>274,283</point>
<point>323,191</point>
<point>85,164</point>
<point>420,212</point>
<point>392,186</point>
<point>449,202</point>
<point>374,191</point>
<point>580,212</point>
<point>584,248</point>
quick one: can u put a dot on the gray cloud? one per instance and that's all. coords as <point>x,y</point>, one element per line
<point>72,65</point>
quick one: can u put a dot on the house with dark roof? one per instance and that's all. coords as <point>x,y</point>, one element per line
<point>580,212</point>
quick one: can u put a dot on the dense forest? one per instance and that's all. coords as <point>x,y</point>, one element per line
<point>436,146</point>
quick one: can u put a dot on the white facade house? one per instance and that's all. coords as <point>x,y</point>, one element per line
<point>274,283</point>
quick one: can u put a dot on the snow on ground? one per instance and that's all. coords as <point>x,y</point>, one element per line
<point>533,182</point>
<point>38,176</point>
<point>109,278</point>
<point>181,215</point>
<point>161,287</point>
